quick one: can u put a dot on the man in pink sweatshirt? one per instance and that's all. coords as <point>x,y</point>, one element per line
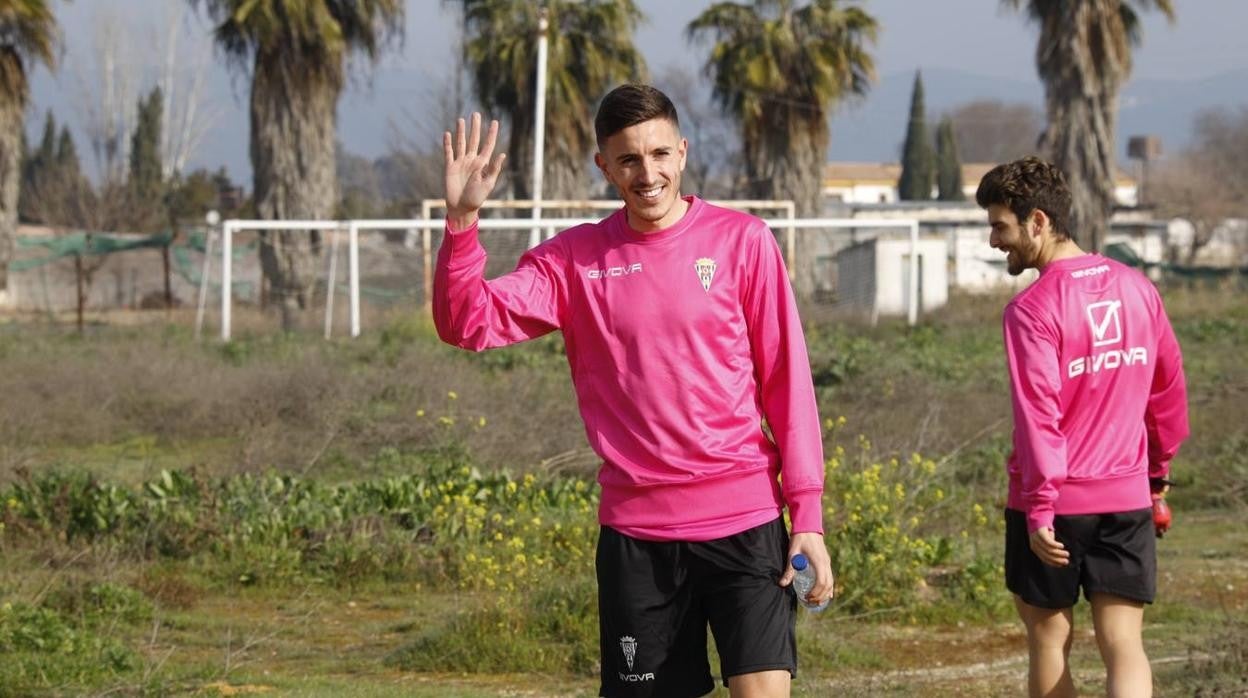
<point>1100,409</point>
<point>683,337</point>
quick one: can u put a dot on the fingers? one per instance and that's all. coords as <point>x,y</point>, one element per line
<point>461,147</point>
<point>466,142</point>
<point>496,167</point>
<point>491,138</point>
<point>824,587</point>
<point>474,138</point>
<point>1050,550</point>
<point>812,546</point>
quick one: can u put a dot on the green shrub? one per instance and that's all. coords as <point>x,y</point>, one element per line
<point>44,649</point>
<point>889,527</point>
<point>550,628</point>
<point>100,603</point>
<point>73,505</point>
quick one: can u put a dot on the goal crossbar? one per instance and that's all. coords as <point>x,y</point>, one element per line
<point>427,225</point>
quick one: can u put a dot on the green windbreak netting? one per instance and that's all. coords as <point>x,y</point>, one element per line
<point>186,256</point>
<point>188,269</point>
<point>86,244</point>
<point>100,244</point>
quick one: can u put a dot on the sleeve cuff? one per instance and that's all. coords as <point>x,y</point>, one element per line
<point>470,230</point>
<point>461,246</point>
<point>1038,519</point>
<point>806,511</point>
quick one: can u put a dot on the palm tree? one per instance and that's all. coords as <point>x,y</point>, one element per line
<point>590,50</point>
<point>295,52</point>
<point>779,69</point>
<point>28,35</point>
<point>1083,57</point>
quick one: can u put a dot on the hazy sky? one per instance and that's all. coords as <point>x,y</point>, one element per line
<point>975,37</point>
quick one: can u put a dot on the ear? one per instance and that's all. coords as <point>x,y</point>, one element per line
<point>601,162</point>
<point>683,150</point>
<point>1039,221</point>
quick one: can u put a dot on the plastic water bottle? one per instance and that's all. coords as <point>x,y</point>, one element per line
<point>804,581</point>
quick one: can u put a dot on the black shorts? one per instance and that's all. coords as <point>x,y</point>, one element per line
<point>1109,553</point>
<point>655,600</point>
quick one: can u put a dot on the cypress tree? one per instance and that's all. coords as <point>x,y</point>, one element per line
<point>47,147</point>
<point>145,166</point>
<point>67,163</point>
<point>917,159</point>
<point>42,157</point>
<point>37,169</point>
<point>948,164</point>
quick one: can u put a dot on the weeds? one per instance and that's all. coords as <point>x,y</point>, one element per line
<point>278,467</point>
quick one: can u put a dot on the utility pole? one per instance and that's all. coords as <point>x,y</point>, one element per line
<point>539,124</point>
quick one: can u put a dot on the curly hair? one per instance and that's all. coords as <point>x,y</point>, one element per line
<point>1026,185</point>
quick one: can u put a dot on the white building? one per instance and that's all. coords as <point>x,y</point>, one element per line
<point>971,264</point>
<point>874,275</point>
<point>876,183</point>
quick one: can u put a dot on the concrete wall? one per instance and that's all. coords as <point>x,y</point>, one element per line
<point>875,275</point>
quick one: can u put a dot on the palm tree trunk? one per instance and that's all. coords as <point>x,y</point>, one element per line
<point>565,180</point>
<point>563,177</point>
<point>10,181</point>
<point>520,156</point>
<point>292,157</point>
<point>797,174</point>
<point>1080,141</point>
<point>1083,57</point>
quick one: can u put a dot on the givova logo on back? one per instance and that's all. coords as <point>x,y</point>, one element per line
<point>1105,319</point>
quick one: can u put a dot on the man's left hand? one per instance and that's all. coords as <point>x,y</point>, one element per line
<point>811,545</point>
<point>1048,548</point>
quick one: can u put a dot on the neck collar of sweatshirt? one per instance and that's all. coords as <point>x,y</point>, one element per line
<point>621,224</point>
<point>1069,263</point>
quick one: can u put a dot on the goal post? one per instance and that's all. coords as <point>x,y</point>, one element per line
<point>790,225</point>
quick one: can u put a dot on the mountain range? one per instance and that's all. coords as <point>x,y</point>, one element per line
<point>873,129</point>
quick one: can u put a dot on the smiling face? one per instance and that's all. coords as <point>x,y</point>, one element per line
<point>644,162</point>
<point>1020,241</point>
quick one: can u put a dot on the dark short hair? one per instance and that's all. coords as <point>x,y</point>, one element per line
<point>628,105</point>
<point>1026,185</point>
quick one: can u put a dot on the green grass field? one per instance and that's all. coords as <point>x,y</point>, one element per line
<point>389,516</point>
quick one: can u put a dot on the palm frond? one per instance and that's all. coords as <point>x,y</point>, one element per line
<point>28,35</point>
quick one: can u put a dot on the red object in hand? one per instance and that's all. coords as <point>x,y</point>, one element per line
<point>1161,514</point>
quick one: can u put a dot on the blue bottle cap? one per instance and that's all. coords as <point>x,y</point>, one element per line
<point>799,562</point>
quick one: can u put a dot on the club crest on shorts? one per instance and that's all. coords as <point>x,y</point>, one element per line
<point>705,266</point>
<point>629,645</point>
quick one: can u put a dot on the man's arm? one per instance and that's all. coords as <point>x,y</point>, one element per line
<point>1165,417</point>
<point>782,370</point>
<point>1031,351</point>
<point>468,311</point>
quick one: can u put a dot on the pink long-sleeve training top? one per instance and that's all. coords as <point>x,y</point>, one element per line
<point>1100,403</point>
<point>680,342</point>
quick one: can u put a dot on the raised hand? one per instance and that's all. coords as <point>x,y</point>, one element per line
<point>470,174</point>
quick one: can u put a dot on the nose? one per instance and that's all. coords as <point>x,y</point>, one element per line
<point>993,241</point>
<point>649,171</point>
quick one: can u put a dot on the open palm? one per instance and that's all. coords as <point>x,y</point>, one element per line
<point>470,174</point>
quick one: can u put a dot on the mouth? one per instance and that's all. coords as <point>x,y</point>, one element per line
<point>651,194</point>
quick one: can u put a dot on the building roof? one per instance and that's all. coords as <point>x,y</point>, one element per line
<point>845,174</point>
